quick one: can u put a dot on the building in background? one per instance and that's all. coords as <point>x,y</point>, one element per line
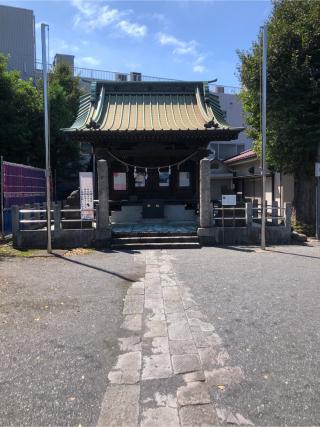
<point>61,58</point>
<point>17,39</point>
<point>233,113</point>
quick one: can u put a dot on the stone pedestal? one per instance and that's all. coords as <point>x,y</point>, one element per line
<point>205,193</point>
<point>103,195</point>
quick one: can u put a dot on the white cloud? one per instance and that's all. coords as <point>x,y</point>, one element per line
<point>181,47</point>
<point>94,16</point>
<point>90,60</point>
<point>133,30</point>
<point>199,68</point>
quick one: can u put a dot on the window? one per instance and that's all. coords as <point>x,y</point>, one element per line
<point>184,179</point>
<point>119,181</point>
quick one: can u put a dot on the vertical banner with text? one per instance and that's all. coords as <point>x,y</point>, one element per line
<point>86,195</point>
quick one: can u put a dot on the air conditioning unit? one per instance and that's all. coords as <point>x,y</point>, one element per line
<point>135,77</point>
<point>121,77</point>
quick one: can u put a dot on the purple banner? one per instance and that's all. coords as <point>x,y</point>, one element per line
<point>22,185</point>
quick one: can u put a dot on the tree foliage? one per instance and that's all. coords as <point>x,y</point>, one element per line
<point>21,112</point>
<point>293,102</point>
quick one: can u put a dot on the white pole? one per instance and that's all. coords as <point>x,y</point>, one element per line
<point>264,133</point>
<point>46,132</point>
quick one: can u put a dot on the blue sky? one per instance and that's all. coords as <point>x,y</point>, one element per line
<point>194,40</point>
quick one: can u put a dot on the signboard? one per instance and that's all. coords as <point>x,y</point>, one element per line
<point>86,195</point>
<point>229,200</point>
<point>119,181</point>
<point>140,179</point>
<point>317,169</point>
<point>164,179</point>
<point>184,179</point>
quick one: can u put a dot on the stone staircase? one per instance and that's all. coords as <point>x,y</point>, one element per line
<point>147,240</point>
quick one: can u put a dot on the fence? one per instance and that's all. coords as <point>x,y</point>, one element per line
<point>20,185</point>
<point>239,216</point>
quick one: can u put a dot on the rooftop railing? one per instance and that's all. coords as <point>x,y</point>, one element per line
<point>93,74</point>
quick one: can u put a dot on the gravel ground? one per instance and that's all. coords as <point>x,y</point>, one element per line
<point>60,319</point>
<point>265,307</point>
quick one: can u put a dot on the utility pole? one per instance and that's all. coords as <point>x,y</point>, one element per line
<point>264,133</point>
<point>46,132</point>
<point>317,174</point>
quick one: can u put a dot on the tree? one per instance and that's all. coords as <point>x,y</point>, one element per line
<point>20,112</point>
<point>22,123</point>
<point>64,92</point>
<point>293,104</point>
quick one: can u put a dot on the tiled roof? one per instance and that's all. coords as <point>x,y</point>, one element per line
<point>245,155</point>
<point>138,106</point>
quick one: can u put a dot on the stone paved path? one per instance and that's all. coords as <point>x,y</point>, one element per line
<point>171,357</point>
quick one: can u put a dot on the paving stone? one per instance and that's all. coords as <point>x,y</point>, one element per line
<point>191,377</point>
<point>194,393</point>
<point>132,322</point>
<point>198,415</point>
<point>200,338</point>
<point>203,326</point>
<point>182,347</point>
<point>120,406</point>
<point>156,328</point>
<point>171,293</point>
<point>172,317</point>
<point>179,330</point>
<point>137,285</point>
<point>160,417</point>
<point>173,306</point>
<point>135,291</point>
<point>156,366</point>
<point>130,343</point>
<point>195,314</point>
<point>155,316</point>
<point>182,363</point>
<point>160,345</point>
<point>155,304</point>
<point>127,369</point>
<point>224,376</point>
<point>211,357</point>
<point>133,304</point>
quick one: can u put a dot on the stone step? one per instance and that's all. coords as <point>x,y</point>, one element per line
<point>153,234</point>
<point>154,239</point>
<point>155,245</point>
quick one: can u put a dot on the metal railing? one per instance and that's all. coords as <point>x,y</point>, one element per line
<point>226,216</point>
<point>93,74</point>
<point>275,215</point>
<point>37,218</point>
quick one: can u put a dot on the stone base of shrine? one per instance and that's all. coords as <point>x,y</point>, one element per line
<point>216,236</point>
<point>63,239</point>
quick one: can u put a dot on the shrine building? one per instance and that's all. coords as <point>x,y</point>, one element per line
<point>153,136</point>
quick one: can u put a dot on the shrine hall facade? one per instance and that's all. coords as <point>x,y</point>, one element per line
<point>153,136</point>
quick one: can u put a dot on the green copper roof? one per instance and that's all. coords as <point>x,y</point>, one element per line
<point>156,106</point>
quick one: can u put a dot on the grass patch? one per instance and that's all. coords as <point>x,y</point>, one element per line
<point>307,229</point>
<point>7,250</point>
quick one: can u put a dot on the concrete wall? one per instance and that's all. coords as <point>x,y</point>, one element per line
<point>133,214</point>
<point>232,107</point>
